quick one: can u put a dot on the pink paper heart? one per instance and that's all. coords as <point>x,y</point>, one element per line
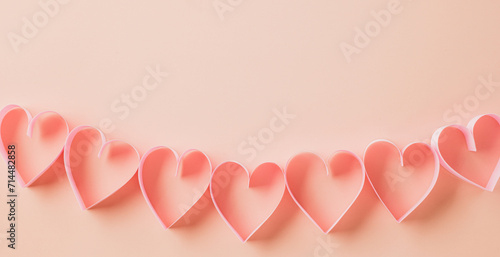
<point>172,187</point>
<point>246,201</point>
<point>38,141</point>
<point>401,180</point>
<point>325,192</point>
<point>96,169</point>
<point>471,153</point>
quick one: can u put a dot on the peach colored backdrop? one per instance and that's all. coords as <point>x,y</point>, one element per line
<point>347,72</point>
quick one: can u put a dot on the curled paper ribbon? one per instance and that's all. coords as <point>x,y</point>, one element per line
<point>245,201</point>
<point>471,153</point>
<point>172,185</point>
<point>401,179</point>
<point>324,191</point>
<point>97,168</point>
<point>39,140</point>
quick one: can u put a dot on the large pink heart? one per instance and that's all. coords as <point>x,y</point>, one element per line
<point>401,180</point>
<point>325,192</point>
<point>246,201</point>
<point>471,153</point>
<point>96,169</point>
<point>38,141</point>
<point>172,187</point>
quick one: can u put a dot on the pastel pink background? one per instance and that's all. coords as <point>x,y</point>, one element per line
<point>225,78</point>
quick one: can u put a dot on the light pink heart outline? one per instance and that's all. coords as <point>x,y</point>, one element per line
<point>179,161</point>
<point>243,240</point>
<point>468,133</point>
<point>401,153</point>
<point>67,165</point>
<point>29,133</point>
<point>328,171</point>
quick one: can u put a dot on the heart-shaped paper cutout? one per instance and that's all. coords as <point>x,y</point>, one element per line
<point>401,180</point>
<point>246,201</point>
<point>96,169</point>
<point>471,153</point>
<point>172,185</point>
<point>324,192</point>
<point>38,141</point>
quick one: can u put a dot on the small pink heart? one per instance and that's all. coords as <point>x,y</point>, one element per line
<point>246,201</point>
<point>471,153</point>
<point>401,180</point>
<point>172,187</point>
<point>96,169</point>
<point>325,192</point>
<point>38,141</point>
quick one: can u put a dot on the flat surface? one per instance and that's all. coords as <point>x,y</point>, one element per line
<point>419,70</point>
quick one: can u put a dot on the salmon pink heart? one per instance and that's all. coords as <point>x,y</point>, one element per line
<point>38,142</point>
<point>325,191</point>
<point>401,180</point>
<point>97,168</point>
<point>246,201</point>
<point>172,185</point>
<point>471,153</point>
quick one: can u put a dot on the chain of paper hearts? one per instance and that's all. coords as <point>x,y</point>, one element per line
<point>401,179</point>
